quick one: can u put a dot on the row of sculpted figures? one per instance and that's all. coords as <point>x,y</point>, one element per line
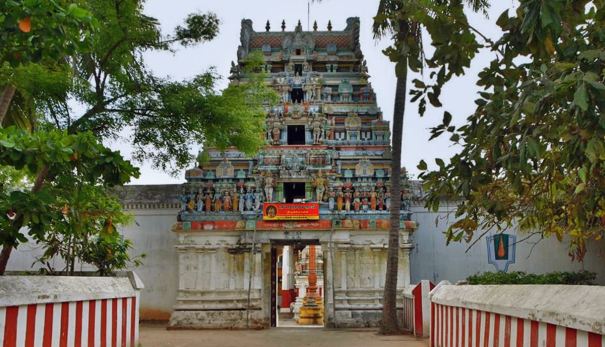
<point>364,199</point>
<point>217,200</point>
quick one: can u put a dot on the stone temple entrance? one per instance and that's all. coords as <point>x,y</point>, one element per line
<point>323,177</point>
<point>228,278</point>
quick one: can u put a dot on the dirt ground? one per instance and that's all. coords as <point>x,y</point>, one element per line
<point>155,335</point>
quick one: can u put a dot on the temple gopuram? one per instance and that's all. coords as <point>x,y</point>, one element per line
<point>317,194</point>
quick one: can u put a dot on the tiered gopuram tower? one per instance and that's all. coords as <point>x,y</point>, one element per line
<point>323,178</point>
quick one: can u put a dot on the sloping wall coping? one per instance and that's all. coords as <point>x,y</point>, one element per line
<point>27,290</point>
<point>578,307</point>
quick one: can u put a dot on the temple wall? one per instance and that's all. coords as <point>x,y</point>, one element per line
<point>359,276</point>
<point>429,259</point>
<point>216,267</point>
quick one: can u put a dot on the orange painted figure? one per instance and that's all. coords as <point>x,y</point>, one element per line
<point>373,196</point>
<point>357,200</point>
<point>217,200</point>
<point>208,201</point>
<point>235,200</point>
<point>226,201</point>
<point>348,197</point>
<point>339,199</point>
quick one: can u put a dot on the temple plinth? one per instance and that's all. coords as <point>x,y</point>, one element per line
<point>311,311</point>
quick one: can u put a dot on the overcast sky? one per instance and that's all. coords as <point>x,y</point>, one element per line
<point>457,98</point>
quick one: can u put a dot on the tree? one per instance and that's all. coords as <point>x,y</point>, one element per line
<point>108,77</point>
<point>406,50</point>
<point>532,152</point>
<point>33,31</point>
<point>63,160</point>
<point>404,20</point>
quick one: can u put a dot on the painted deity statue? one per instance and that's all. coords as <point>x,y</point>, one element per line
<point>249,200</point>
<point>200,200</point>
<point>269,184</point>
<point>357,199</point>
<point>258,199</point>
<point>348,196</point>
<point>320,183</point>
<point>365,200</point>
<point>191,202</point>
<point>373,199</point>
<point>339,199</point>
<point>317,127</point>
<point>242,199</point>
<point>226,201</point>
<point>387,199</point>
<point>208,198</point>
<point>184,199</point>
<point>235,200</point>
<point>331,199</point>
<point>218,200</point>
<point>297,81</point>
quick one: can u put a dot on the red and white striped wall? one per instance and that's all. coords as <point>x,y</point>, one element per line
<point>408,311</point>
<point>462,327</point>
<point>60,311</point>
<point>416,308</point>
<point>106,322</point>
<point>517,316</point>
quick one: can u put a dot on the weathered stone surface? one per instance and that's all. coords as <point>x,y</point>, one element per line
<point>217,320</point>
<point>26,290</point>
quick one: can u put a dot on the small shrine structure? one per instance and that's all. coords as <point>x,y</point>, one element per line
<point>322,179</point>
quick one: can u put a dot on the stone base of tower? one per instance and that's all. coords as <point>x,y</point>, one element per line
<point>311,312</point>
<point>310,315</point>
<point>216,320</point>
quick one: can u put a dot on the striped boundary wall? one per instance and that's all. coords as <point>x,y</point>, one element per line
<point>408,310</point>
<point>416,308</point>
<point>514,325</point>
<point>106,319</point>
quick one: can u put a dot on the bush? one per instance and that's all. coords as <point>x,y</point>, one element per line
<point>519,277</point>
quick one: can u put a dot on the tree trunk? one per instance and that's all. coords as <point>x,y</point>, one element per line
<point>7,249</point>
<point>390,323</point>
<point>6,95</point>
<point>4,255</point>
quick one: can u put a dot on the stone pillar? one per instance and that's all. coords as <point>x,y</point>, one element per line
<point>328,286</point>
<point>279,192</point>
<point>308,135</point>
<point>311,311</point>
<point>309,192</point>
<point>301,284</point>
<point>287,286</point>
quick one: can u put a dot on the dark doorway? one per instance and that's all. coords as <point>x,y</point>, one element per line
<point>297,95</point>
<point>296,134</point>
<point>294,192</point>
<point>298,67</point>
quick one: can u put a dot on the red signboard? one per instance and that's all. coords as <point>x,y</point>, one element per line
<point>274,211</point>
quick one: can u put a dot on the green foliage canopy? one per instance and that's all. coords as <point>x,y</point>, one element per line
<point>533,152</point>
<point>55,53</point>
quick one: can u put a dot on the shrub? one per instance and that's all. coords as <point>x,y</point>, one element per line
<point>519,277</point>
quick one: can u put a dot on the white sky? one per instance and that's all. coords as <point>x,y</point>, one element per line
<point>458,97</point>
